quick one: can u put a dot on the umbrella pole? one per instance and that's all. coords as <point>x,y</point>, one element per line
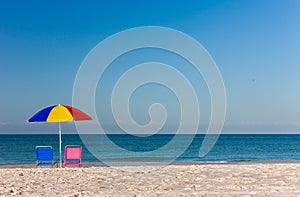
<point>59,127</point>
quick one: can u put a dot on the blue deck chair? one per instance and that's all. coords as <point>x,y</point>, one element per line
<point>44,156</point>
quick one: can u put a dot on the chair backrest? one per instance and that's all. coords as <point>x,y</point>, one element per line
<point>72,152</point>
<point>44,153</point>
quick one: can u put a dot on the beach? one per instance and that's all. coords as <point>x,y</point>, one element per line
<point>249,179</point>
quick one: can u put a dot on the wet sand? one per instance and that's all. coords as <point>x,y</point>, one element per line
<point>241,179</point>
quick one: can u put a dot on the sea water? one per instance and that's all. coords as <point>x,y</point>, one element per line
<point>20,149</point>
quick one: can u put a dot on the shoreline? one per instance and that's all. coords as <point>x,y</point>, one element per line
<point>124,164</point>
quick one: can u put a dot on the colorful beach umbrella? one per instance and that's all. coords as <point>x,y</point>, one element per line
<point>59,113</point>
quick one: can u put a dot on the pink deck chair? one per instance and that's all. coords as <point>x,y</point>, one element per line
<point>73,155</point>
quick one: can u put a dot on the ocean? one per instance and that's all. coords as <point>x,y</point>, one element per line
<point>20,149</point>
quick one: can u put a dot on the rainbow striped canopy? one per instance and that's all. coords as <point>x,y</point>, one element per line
<point>59,113</point>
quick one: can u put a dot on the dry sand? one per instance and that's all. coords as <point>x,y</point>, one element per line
<point>173,180</point>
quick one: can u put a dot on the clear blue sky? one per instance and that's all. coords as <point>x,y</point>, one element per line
<point>256,45</point>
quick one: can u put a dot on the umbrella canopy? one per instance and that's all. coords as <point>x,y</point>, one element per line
<point>59,113</point>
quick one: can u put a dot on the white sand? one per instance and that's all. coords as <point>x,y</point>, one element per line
<point>172,180</point>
